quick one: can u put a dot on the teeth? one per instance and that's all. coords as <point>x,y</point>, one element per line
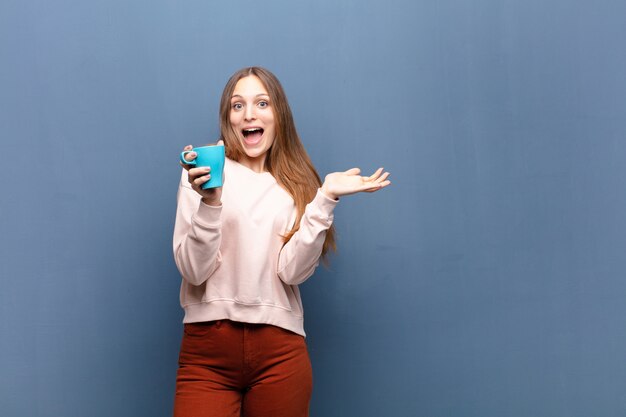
<point>246,132</point>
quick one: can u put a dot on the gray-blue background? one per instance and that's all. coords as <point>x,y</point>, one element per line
<point>488,280</point>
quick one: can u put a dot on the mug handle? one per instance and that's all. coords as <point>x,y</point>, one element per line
<point>184,161</point>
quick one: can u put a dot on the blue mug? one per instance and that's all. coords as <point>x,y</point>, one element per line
<point>208,156</point>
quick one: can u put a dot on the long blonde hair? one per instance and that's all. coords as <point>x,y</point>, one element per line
<point>286,160</point>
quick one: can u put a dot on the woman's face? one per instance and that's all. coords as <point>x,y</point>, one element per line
<point>252,120</point>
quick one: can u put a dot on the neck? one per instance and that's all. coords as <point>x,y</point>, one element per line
<point>254,164</point>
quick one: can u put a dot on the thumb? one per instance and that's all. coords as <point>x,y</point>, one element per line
<point>220,142</point>
<point>353,171</point>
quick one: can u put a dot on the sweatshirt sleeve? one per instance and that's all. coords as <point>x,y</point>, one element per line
<point>197,235</point>
<point>300,256</point>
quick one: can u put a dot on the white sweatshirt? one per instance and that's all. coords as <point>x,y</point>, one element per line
<point>232,257</point>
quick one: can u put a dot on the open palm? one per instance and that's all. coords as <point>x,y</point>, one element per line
<point>349,182</point>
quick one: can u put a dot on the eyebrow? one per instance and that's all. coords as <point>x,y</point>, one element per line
<point>258,95</point>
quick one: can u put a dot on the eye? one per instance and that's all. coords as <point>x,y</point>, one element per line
<point>263,104</point>
<point>237,106</point>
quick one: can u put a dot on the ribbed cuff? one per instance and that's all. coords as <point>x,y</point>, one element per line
<point>208,216</point>
<point>325,204</point>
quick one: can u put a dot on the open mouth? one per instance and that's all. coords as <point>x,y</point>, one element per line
<point>252,135</point>
<point>255,130</point>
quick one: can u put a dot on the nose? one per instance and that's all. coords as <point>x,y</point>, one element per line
<point>249,113</point>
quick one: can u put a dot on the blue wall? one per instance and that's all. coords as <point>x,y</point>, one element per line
<point>487,281</point>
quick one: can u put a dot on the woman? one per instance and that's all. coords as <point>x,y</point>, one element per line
<point>242,249</point>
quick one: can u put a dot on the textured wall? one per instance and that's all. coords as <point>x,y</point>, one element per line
<point>487,281</point>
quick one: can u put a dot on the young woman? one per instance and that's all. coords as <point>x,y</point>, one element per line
<point>242,249</point>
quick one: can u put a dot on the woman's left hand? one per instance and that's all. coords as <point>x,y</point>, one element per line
<point>338,184</point>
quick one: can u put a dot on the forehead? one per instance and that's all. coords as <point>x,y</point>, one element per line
<point>249,86</point>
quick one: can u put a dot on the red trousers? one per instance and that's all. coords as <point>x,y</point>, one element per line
<point>231,369</point>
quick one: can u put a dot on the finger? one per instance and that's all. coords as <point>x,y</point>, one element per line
<point>201,180</point>
<point>382,177</point>
<point>353,171</point>
<point>198,172</point>
<point>378,186</point>
<point>190,156</point>
<point>193,173</point>
<point>370,188</point>
<point>220,142</point>
<point>375,175</point>
<point>186,148</point>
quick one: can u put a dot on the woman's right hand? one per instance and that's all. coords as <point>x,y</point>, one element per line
<point>200,175</point>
